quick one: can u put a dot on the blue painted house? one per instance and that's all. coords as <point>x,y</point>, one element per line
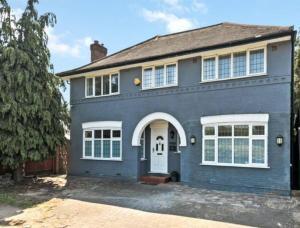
<point>212,104</point>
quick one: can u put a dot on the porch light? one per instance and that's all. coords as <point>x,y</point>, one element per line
<point>193,139</point>
<point>279,140</point>
<point>137,81</point>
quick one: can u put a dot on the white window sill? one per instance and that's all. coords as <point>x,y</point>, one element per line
<point>102,159</point>
<point>233,78</point>
<point>143,159</point>
<point>106,95</point>
<point>177,152</point>
<point>161,87</point>
<point>236,165</point>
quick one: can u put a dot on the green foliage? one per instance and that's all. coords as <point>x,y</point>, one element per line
<point>32,110</point>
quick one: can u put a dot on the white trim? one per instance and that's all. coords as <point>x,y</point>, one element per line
<point>94,85</point>
<point>140,127</point>
<point>102,124</point>
<point>248,74</point>
<point>232,120</point>
<point>235,118</point>
<point>152,85</point>
<point>177,58</point>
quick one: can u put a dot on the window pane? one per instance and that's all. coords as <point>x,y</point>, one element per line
<point>97,148</point>
<point>88,148</point>
<point>98,134</point>
<point>171,74</point>
<point>241,130</point>
<point>88,134</point>
<point>225,130</point>
<point>257,61</point>
<point>106,84</point>
<point>98,86</point>
<point>241,151</point>
<point>89,86</point>
<point>239,64</point>
<point>159,76</point>
<point>114,83</point>
<point>147,80</point>
<point>106,134</point>
<point>224,66</point>
<point>209,71</point>
<point>209,131</point>
<point>258,151</point>
<point>117,134</point>
<point>116,152</point>
<point>224,150</point>
<point>106,148</point>
<point>258,130</point>
<point>209,151</point>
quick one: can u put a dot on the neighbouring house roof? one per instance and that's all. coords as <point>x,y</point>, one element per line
<point>205,38</point>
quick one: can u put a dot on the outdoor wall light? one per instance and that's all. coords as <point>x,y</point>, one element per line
<point>193,139</point>
<point>137,81</point>
<point>279,140</point>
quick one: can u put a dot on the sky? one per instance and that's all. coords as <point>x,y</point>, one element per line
<point>121,23</point>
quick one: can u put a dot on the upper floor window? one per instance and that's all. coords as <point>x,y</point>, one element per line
<point>160,76</point>
<point>234,65</point>
<point>235,143</point>
<point>102,85</point>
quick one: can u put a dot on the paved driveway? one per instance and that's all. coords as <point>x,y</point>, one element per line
<point>94,202</point>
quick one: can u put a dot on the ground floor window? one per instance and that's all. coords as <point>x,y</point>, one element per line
<point>142,147</point>
<point>235,143</point>
<point>102,143</point>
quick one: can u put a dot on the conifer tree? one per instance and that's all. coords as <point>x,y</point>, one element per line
<point>33,113</point>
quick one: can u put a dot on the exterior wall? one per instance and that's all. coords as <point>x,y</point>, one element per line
<point>187,102</point>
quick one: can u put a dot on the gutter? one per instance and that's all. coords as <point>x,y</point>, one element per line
<point>174,54</point>
<point>292,162</point>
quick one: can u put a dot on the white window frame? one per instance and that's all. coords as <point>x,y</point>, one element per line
<point>104,125</point>
<point>143,138</point>
<point>216,56</point>
<point>94,85</point>
<point>165,75</point>
<point>230,120</point>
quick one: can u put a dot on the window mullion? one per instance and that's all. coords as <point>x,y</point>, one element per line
<point>248,62</point>
<point>93,141</point>
<point>109,82</point>
<point>111,139</point>
<point>165,75</point>
<point>216,145</point>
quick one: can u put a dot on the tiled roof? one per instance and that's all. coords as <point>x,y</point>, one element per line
<point>183,42</point>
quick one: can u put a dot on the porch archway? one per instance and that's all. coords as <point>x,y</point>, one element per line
<point>140,127</point>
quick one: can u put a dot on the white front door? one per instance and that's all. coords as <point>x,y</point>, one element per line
<point>159,147</point>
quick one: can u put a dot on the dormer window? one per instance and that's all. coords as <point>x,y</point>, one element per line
<point>160,76</point>
<point>234,65</point>
<point>103,85</point>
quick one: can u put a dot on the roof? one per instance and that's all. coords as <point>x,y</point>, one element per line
<point>214,36</point>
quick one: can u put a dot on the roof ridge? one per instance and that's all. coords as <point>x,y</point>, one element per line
<point>145,41</point>
<point>191,30</point>
<point>255,25</point>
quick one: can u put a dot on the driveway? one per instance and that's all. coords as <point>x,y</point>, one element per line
<point>95,202</point>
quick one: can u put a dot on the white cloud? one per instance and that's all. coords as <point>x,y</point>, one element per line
<point>17,12</point>
<point>58,46</point>
<point>199,6</point>
<point>173,23</point>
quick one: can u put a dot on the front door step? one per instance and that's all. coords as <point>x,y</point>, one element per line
<point>155,179</point>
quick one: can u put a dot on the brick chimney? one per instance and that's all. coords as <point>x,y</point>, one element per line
<point>98,51</point>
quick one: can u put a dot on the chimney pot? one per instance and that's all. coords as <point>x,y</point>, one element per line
<point>98,51</point>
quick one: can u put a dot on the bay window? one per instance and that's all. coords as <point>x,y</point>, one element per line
<point>234,65</point>
<point>235,143</point>
<point>102,85</point>
<point>102,142</point>
<point>159,76</point>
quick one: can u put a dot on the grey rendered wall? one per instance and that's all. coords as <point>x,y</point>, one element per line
<point>187,103</point>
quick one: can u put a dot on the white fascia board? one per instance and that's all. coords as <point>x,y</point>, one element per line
<point>102,124</point>
<point>235,118</point>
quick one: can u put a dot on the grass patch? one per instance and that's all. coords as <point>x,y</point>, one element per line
<point>15,200</point>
